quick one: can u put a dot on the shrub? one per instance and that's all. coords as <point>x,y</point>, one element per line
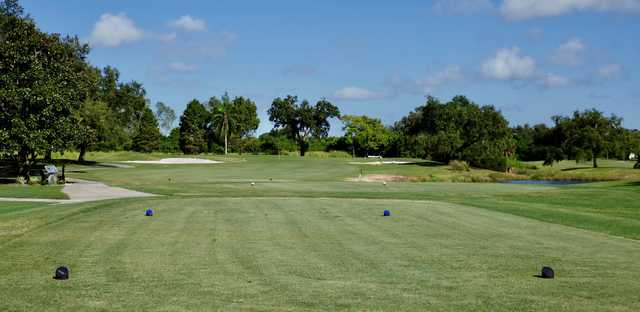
<point>459,165</point>
<point>331,154</point>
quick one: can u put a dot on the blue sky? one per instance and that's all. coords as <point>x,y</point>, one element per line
<point>530,58</point>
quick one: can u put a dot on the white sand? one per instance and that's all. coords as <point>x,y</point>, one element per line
<point>391,162</point>
<point>175,161</point>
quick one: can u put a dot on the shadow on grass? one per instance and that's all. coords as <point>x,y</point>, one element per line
<point>424,164</point>
<point>629,184</point>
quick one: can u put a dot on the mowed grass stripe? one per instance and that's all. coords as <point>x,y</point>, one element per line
<point>314,254</point>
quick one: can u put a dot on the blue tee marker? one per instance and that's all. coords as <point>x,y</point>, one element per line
<point>386,213</point>
<point>149,212</point>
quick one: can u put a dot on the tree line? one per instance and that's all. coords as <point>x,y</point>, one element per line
<point>53,100</point>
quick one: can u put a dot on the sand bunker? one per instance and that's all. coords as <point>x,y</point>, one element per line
<point>380,178</point>
<point>175,161</point>
<point>377,163</point>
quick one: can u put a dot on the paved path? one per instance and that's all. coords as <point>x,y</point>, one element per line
<point>80,191</point>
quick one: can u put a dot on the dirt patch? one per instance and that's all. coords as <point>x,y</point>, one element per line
<point>385,178</point>
<point>175,161</point>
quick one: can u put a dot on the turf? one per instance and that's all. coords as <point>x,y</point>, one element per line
<point>32,191</point>
<point>612,207</point>
<point>304,239</point>
<point>313,254</point>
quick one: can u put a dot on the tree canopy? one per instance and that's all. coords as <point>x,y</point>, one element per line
<point>302,121</point>
<point>365,135</point>
<point>458,129</point>
<point>193,123</point>
<point>42,85</point>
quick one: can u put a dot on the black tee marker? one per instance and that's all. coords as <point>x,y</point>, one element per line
<point>62,273</point>
<point>547,272</point>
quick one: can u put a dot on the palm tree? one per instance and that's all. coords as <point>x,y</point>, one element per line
<point>223,121</point>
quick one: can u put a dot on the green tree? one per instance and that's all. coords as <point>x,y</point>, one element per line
<point>302,121</point>
<point>245,114</point>
<point>590,131</point>
<point>92,121</point>
<point>171,142</point>
<point>222,118</point>
<point>166,116</point>
<point>193,124</point>
<point>40,86</point>
<point>11,8</point>
<point>147,137</point>
<point>458,129</point>
<point>275,142</point>
<point>365,134</point>
<point>232,120</point>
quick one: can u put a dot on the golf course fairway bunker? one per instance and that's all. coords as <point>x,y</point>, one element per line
<point>175,161</point>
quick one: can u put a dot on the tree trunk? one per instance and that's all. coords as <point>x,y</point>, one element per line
<point>24,165</point>
<point>303,147</point>
<point>83,152</point>
<point>595,160</point>
<point>47,156</point>
<point>225,142</point>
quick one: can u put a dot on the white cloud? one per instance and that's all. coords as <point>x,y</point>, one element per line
<point>449,74</point>
<point>554,81</point>
<point>447,7</point>
<point>189,23</point>
<point>570,53</point>
<point>507,64</point>
<point>610,71</point>
<point>166,38</point>
<point>357,94</point>
<point>182,67</point>
<point>525,9</point>
<point>114,30</point>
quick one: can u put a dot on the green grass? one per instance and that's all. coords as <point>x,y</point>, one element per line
<point>311,254</point>
<point>32,191</point>
<point>304,238</point>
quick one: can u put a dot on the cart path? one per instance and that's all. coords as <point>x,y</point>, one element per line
<point>80,191</point>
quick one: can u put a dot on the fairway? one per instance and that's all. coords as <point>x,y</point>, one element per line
<point>303,239</point>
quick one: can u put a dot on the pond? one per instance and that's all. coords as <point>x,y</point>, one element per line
<point>546,182</point>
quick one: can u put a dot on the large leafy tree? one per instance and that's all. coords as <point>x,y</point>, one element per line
<point>365,134</point>
<point>458,129</point>
<point>302,121</point>
<point>41,84</point>
<point>147,136</point>
<point>92,118</point>
<point>590,130</point>
<point>193,124</point>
